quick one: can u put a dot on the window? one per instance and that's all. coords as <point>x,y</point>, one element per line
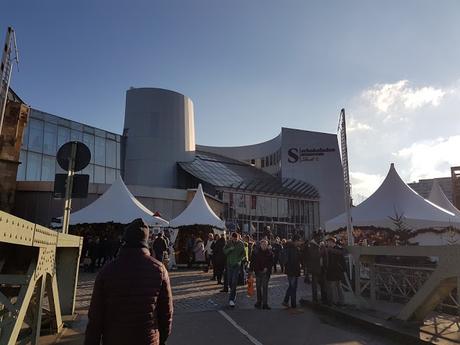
<point>50,139</point>
<point>63,136</point>
<point>111,153</point>
<point>253,202</point>
<point>118,155</point>
<point>271,160</point>
<point>89,170</point>
<point>262,163</point>
<point>75,135</point>
<point>88,140</point>
<point>33,170</point>
<point>110,175</point>
<point>99,174</point>
<point>22,167</point>
<point>266,161</point>
<point>48,168</point>
<point>25,137</point>
<point>36,135</point>
<point>99,151</point>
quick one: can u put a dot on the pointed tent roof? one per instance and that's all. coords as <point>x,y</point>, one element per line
<point>438,197</point>
<point>116,205</point>
<point>394,198</point>
<point>198,212</point>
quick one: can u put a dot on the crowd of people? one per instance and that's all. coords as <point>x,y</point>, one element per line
<point>234,258</point>
<point>121,290</point>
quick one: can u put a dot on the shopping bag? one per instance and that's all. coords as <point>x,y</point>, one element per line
<point>250,285</point>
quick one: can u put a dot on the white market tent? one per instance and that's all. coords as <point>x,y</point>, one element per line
<point>198,212</point>
<point>116,205</point>
<point>438,197</point>
<point>395,199</point>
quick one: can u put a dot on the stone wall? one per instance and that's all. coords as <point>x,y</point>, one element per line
<point>16,116</point>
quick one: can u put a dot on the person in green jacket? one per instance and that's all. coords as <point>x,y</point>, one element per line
<point>235,253</point>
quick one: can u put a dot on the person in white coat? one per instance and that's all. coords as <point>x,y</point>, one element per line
<point>208,251</point>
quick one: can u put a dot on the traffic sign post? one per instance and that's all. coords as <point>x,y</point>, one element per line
<point>68,189</point>
<point>72,156</point>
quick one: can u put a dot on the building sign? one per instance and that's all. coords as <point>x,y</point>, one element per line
<point>296,154</point>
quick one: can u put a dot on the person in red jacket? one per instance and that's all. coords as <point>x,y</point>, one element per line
<point>132,300</point>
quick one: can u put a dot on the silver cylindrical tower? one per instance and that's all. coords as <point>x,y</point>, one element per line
<point>159,132</point>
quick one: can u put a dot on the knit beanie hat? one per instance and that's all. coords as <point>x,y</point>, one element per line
<point>136,234</point>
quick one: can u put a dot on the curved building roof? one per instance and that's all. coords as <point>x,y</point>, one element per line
<point>221,171</point>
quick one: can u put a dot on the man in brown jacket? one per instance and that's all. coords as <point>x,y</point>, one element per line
<point>132,301</point>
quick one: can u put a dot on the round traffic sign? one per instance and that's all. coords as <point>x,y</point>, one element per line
<point>82,157</point>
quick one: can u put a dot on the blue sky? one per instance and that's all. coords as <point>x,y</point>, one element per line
<point>253,66</point>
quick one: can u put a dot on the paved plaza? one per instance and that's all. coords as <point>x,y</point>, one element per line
<point>201,316</point>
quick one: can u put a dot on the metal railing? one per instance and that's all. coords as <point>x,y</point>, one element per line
<point>421,289</point>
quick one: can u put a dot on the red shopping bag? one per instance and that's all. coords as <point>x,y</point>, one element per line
<point>250,285</point>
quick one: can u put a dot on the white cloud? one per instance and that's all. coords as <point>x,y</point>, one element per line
<point>415,126</point>
<point>364,184</point>
<point>431,158</point>
<point>354,125</point>
<point>399,96</point>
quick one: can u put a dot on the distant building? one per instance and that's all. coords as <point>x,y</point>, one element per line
<point>423,187</point>
<point>293,182</point>
<point>455,178</point>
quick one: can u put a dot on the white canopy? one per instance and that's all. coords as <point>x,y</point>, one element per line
<point>116,205</point>
<point>395,199</point>
<point>198,212</point>
<point>438,197</point>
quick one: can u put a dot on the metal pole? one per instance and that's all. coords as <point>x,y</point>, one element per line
<point>68,189</point>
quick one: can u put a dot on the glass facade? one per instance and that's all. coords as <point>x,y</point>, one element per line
<point>46,133</point>
<point>283,215</point>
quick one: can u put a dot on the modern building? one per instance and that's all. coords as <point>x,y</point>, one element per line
<point>292,182</point>
<point>423,187</point>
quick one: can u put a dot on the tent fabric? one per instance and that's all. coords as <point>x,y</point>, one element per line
<point>395,199</point>
<point>116,205</point>
<point>438,197</point>
<point>198,212</point>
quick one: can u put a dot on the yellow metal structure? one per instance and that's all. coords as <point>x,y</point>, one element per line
<point>36,264</point>
<point>442,282</point>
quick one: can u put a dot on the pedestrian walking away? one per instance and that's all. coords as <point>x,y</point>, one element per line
<point>235,253</point>
<point>315,263</point>
<point>261,265</point>
<point>335,269</point>
<point>292,269</point>
<point>132,300</point>
<point>159,247</point>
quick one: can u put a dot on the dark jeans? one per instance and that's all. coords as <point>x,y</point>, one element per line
<point>262,287</point>
<point>232,276</point>
<point>315,280</point>
<point>291,292</point>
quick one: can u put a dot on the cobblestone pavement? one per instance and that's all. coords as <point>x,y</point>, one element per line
<point>199,305</point>
<point>193,291</point>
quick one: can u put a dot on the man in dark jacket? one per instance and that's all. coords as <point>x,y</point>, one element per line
<point>315,263</point>
<point>159,247</point>
<point>277,248</point>
<point>132,301</point>
<point>292,269</point>
<point>261,265</point>
<point>335,268</point>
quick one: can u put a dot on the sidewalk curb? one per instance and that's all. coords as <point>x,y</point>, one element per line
<point>385,327</point>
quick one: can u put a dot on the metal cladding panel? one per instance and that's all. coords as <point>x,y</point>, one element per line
<point>15,230</point>
<point>159,131</point>
<point>44,237</point>
<point>66,240</point>
<point>314,157</point>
